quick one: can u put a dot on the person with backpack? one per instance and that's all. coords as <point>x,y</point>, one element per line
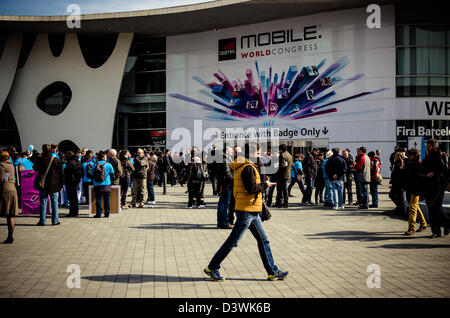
<point>128,168</point>
<point>102,174</point>
<point>297,175</point>
<point>375,170</point>
<point>87,172</point>
<point>196,176</point>
<point>247,189</point>
<point>73,172</point>
<point>49,182</point>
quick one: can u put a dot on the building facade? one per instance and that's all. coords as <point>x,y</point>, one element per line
<point>322,79</point>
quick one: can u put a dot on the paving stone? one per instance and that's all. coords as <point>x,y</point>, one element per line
<point>161,252</point>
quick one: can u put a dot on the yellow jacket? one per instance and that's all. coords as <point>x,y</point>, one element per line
<point>245,201</point>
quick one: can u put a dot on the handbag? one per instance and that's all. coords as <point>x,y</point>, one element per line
<point>265,213</point>
<point>42,179</point>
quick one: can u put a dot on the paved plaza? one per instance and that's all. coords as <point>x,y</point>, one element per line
<point>161,252</point>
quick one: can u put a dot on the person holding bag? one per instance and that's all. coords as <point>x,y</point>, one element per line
<point>247,190</point>
<point>49,182</point>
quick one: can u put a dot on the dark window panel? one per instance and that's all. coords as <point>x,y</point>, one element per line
<point>56,43</point>
<point>54,98</point>
<point>150,63</point>
<point>97,48</point>
<point>150,83</point>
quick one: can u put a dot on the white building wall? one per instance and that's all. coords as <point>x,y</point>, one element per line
<point>88,120</point>
<point>8,64</point>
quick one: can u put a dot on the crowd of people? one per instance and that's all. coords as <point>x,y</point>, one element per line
<point>64,179</point>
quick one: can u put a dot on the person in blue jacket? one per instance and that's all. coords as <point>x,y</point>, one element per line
<point>297,174</point>
<point>87,165</point>
<point>102,188</point>
<point>327,195</point>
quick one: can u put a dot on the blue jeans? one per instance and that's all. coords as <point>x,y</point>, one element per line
<point>222,208</point>
<point>98,202</point>
<point>338,192</point>
<point>374,192</point>
<point>150,190</point>
<point>309,189</point>
<point>328,189</point>
<point>244,221</point>
<point>54,203</point>
<point>364,193</point>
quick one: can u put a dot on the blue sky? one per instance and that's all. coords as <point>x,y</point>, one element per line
<point>59,7</point>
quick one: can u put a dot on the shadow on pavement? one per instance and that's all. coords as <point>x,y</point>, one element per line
<point>138,279</point>
<point>176,226</point>
<point>362,236</point>
<point>372,212</point>
<point>411,246</point>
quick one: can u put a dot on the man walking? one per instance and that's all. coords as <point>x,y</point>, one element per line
<point>336,169</point>
<point>436,177</point>
<point>247,191</point>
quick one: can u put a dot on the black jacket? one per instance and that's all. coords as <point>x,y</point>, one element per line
<point>336,166</point>
<point>224,174</point>
<point>310,166</point>
<point>73,172</point>
<point>412,178</point>
<point>433,163</point>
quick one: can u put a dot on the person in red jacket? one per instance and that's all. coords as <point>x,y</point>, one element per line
<point>362,169</point>
<point>375,170</point>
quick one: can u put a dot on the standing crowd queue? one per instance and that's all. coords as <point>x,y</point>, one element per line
<point>244,181</point>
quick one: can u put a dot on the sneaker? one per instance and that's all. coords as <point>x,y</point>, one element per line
<point>335,208</point>
<point>97,216</point>
<point>189,207</point>
<point>341,207</point>
<point>132,205</point>
<point>141,205</point>
<point>279,275</point>
<point>40,224</point>
<point>201,206</point>
<point>215,275</point>
<point>152,202</point>
<point>373,206</point>
<point>410,232</point>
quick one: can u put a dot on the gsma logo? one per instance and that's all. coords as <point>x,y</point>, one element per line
<point>227,49</point>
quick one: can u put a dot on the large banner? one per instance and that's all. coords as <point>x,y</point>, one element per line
<point>322,76</point>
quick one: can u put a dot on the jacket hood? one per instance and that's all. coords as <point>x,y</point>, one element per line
<point>238,162</point>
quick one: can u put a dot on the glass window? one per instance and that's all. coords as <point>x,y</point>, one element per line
<point>150,83</point>
<point>402,35</point>
<point>437,37</point>
<point>438,86</point>
<point>141,108</point>
<point>151,63</point>
<point>142,120</point>
<point>421,37</point>
<point>143,45</point>
<point>437,61</point>
<point>403,61</point>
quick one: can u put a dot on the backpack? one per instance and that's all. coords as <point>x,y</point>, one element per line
<point>197,174</point>
<point>88,168</point>
<point>99,172</point>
